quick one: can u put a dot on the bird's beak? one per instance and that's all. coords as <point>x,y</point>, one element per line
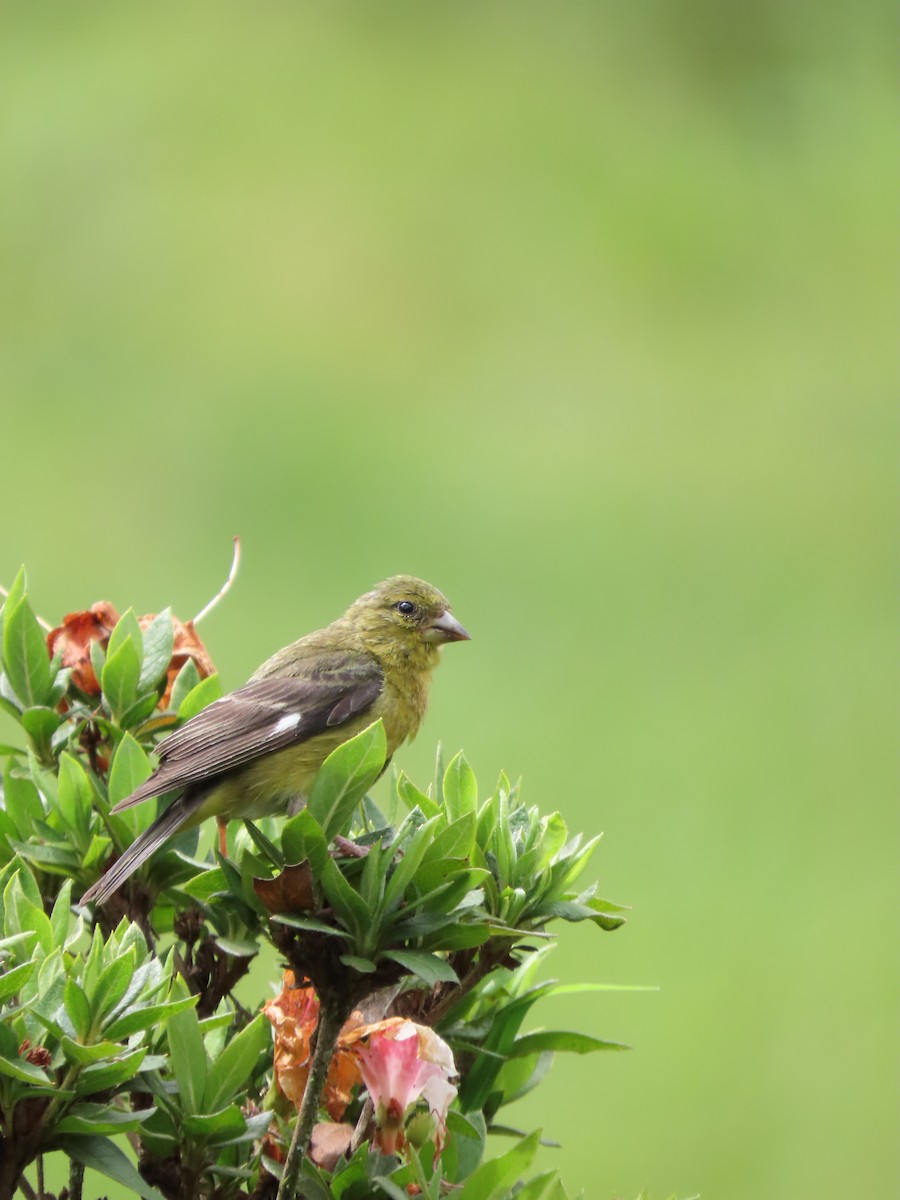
<point>446,628</point>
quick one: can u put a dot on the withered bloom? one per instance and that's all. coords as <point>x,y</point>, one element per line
<point>73,639</point>
<point>294,1015</point>
<point>74,636</point>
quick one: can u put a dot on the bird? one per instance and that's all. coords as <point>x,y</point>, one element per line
<point>256,751</point>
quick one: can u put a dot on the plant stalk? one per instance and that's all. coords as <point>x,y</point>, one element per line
<point>332,1015</point>
<point>76,1180</point>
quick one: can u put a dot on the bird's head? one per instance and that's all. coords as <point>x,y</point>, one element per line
<point>405,618</point>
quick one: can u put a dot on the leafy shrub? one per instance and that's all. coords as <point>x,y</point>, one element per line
<point>412,945</point>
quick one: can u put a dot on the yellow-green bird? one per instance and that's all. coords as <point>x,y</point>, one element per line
<point>257,751</point>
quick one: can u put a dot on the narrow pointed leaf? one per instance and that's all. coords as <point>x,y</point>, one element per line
<point>344,778</point>
<point>103,1155</point>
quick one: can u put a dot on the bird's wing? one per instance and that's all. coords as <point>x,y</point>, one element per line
<point>263,716</point>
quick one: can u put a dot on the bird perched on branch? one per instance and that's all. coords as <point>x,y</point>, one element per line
<point>257,751</point>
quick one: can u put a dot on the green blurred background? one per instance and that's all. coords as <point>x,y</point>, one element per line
<point>578,311</point>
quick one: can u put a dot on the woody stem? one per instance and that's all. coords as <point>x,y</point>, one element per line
<point>332,1015</point>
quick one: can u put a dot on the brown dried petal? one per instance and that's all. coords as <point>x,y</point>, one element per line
<point>289,891</point>
<point>73,639</point>
<point>294,1015</point>
<point>328,1143</point>
<point>343,1076</point>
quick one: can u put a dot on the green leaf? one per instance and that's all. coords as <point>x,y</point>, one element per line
<point>17,590</point>
<point>9,703</point>
<point>185,682</point>
<point>206,884</point>
<point>100,1154</point>
<point>607,914</point>
<point>569,864</point>
<point>23,1070</point>
<point>127,627</point>
<point>94,962</point>
<point>225,1125</point>
<point>413,798</point>
<point>489,1180</point>
<point>504,847</point>
<point>233,1070</point>
<point>76,798</point>
<point>345,900</point>
<point>28,915</point>
<point>309,923</point>
<point>26,882</point>
<point>112,984</point>
<point>558,1039</point>
<point>89,1117</point>
<point>103,1075</point>
<point>465,1126</point>
<point>426,966</point>
<point>61,681</point>
<point>56,859</point>
<point>302,838</point>
<point>543,1187</point>
<point>602,912</point>
<point>136,1019</point>
<point>84,1056</point>
<point>119,680</point>
<point>456,841</point>
<point>98,658</point>
<point>9,1043</point>
<point>25,654</point>
<point>159,641</point>
<point>188,1058</point>
<point>390,1188</point>
<point>11,981</point>
<point>40,724</point>
<point>44,780</point>
<point>60,916</point>
<point>364,965</point>
<point>237,949</point>
<point>130,768</point>
<point>265,846</point>
<point>345,776</point>
<point>460,788</point>
<point>459,937</point>
<point>21,800</point>
<point>205,693</point>
<point>135,713</point>
<point>78,1008</point>
<point>96,852</point>
<point>406,869</point>
<point>219,1020</point>
<point>373,877</point>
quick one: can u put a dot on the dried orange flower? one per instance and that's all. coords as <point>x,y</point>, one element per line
<point>74,636</point>
<point>73,639</point>
<point>294,1015</point>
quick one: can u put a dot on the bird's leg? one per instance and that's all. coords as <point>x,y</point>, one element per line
<point>223,835</point>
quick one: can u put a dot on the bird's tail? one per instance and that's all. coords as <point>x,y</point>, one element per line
<point>175,816</point>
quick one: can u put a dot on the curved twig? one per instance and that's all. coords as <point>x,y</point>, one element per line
<point>235,562</point>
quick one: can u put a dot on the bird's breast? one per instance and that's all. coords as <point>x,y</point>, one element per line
<point>401,707</point>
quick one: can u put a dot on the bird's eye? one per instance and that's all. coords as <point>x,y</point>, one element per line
<point>406,607</point>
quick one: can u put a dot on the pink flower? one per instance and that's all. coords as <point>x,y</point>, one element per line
<point>399,1065</point>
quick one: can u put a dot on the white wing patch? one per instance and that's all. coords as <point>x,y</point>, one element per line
<point>288,721</point>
